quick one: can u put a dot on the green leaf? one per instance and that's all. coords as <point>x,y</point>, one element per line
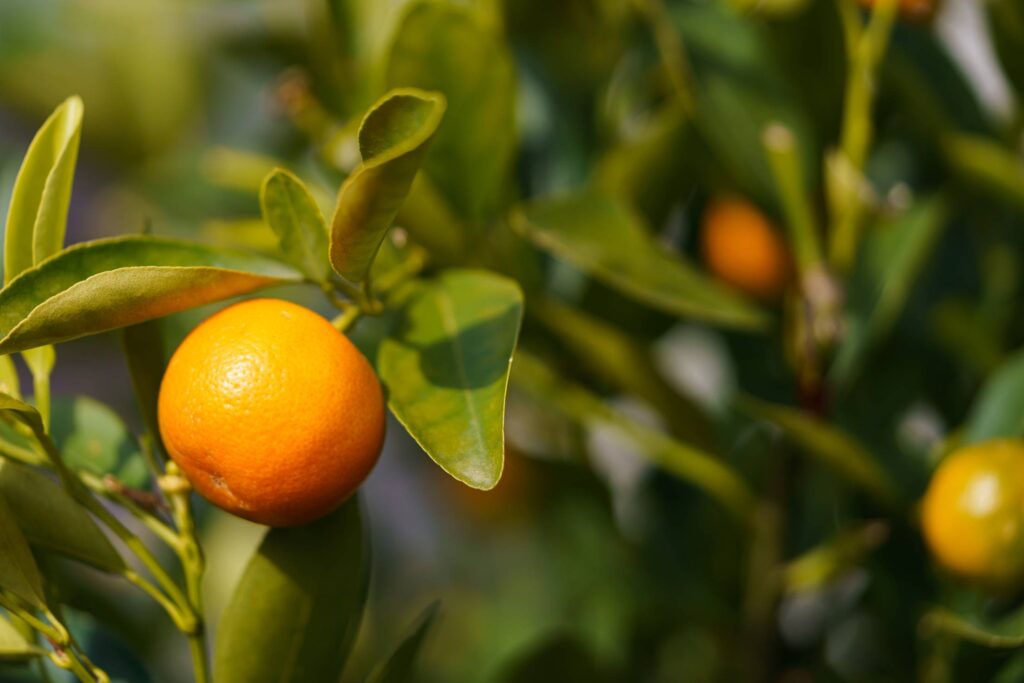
<point>443,47</point>
<point>989,167</point>
<point>295,218</point>
<point>608,241</point>
<point>19,574</point>
<point>830,446</point>
<point>9,383</point>
<point>38,213</point>
<point>996,411</point>
<point>398,668</point>
<point>1007,633</point>
<point>297,607</point>
<point>92,437</point>
<point>106,284</point>
<point>446,367</point>
<point>13,645</point>
<point>894,255</point>
<point>52,519</point>
<point>393,140</point>
<point>700,468</point>
<point>143,346</point>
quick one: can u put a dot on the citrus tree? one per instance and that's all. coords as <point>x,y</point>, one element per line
<point>742,276</point>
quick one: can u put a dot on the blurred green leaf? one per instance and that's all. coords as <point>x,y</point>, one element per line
<point>52,519</point>
<point>13,645</point>
<point>93,438</point>
<point>996,411</point>
<point>19,574</point>
<point>847,550</point>
<point>393,140</point>
<point>608,241</point>
<point>698,467</point>
<point>558,658</point>
<point>295,218</point>
<point>613,356</point>
<point>894,255</point>
<point>450,48</point>
<point>1006,24</point>
<point>446,366</point>
<point>830,446</point>
<point>296,610</point>
<point>1003,633</point>
<point>143,346</point>
<point>988,166</point>
<point>38,214</point>
<point>106,284</point>
<point>398,668</point>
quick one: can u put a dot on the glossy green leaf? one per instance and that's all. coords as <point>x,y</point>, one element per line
<point>832,447</point>
<point>996,411</point>
<point>52,519</point>
<point>393,140</point>
<point>37,217</point>
<point>399,667</point>
<point>894,255</point>
<point>9,383</point>
<point>106,284</point>
<point>446,367</point>
<point>296,610</point>
<point>13,645</point>
<point>143,346</point>
<point>608,241</point>
<point>92,437</point>
<point>295,218</point>
<point>449,48</point>
<point>19,574</point>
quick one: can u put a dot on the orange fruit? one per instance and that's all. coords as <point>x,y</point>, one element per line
<point>271,413</point>
<point>973,512</point>
<point>742,248</point>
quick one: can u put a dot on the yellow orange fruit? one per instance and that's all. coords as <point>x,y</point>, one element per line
<point>271,413</point>
<point>973,512</point>
<point>742,248</point>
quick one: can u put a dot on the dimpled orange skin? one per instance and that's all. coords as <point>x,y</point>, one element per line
<point>741,248</point>
<point>271,413</point>
<point>973,513</point>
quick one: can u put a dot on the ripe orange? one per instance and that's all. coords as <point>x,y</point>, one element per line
<point>973,514</point>
<point>271,413</point>
<point>742,248</point>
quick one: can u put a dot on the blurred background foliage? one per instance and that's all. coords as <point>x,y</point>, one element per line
<point>596,558</point>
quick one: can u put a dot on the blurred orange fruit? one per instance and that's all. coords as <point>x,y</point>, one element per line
<point>741,247</point>
<point>973,514</point>
<point>271,413</point>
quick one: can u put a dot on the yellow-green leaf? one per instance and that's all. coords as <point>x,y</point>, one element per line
<point>14,645</point>
<point>295,218</point>
<point>446,369</point>
<point>398,668</point>
<point>106,284</point>
<point>38,213</point>
<point>393,140</point>
<point>19,574</point>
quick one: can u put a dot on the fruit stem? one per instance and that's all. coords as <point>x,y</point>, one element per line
<point>865,47</point>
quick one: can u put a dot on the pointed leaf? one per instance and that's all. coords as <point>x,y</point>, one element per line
<point>19,574</point>
<point>143,346</point>
<point>393,140</point>
<point>446,370</point>
<point>13,645</point>
<point>106,284</point>
<point>398,668</point>
<point>606,240</point>
<point>295,218</point>
<point>828,444</point>
<point>52,519</point>
<point>296,610</point>
<point>996,411</point>
<point>443,47</point>
<point>37,217</point>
